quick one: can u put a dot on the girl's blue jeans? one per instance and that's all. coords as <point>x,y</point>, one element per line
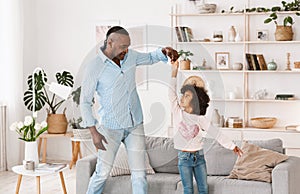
<point>189,165</point>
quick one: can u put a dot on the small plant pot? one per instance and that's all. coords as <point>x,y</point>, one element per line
<point>284,33</point>
<point>185,64</point>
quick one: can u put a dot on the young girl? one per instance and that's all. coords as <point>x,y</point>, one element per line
<point>188,122</point>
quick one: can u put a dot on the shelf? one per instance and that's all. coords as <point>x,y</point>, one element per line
<point>211,71</point>
<point>232,14</point>
<point>270,71</point>
<point>206,14</point>
<point>238,71</point>
<point>271,101</point>
<point>211,43</point>
<point>227,100</point>
<point>276,129</point>
<point>254,100</point>
<point>238,43</point>
<point>272,42</point>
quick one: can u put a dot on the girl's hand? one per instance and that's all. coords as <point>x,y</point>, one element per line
<point>238,151</point>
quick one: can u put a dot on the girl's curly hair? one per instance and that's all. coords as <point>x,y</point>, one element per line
<point>200,99</point>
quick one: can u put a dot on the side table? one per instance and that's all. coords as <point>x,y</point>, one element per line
<point>37,173</point>
<point>76,151</point>
<point>44,137</point>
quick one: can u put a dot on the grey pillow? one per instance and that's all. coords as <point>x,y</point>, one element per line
<point>220,161</point>
<point>162,155</point>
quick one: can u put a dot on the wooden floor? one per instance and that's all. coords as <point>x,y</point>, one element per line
<point>50,184</point>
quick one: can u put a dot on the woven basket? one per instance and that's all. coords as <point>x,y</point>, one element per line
<point>57,123</point>
<point>284,33</point>
<point>263,122</point>
<point>185,65</point>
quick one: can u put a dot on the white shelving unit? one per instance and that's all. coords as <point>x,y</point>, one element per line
<point>248,82</point>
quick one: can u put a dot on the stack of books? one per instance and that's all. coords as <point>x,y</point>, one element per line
<point>284,97</point>
<point>184,34</point>
<point>256,62</point>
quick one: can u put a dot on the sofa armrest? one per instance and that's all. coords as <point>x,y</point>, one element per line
<point>286,176</point>
<point>84,170</point>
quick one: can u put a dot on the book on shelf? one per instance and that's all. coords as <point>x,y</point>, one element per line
<point>184,34</point>
<point>256,61</point>
<point>249,62</point>
<point>51,167</point>
<point>261,61</point>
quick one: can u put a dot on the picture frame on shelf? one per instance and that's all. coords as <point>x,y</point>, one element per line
<point>222,60</point>
<point>262,35</point>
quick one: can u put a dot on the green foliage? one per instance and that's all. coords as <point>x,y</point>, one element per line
<point>185,54</point>
<point>288,20</point>
<point>41,94</point>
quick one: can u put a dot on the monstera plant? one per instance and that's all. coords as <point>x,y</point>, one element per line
<point>42,96</point>
<point>57,122</point>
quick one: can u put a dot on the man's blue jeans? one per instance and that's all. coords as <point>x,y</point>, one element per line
<point>134,140</point>
<point>189,165</point>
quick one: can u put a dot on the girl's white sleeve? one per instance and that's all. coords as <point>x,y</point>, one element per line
<point>216,133</point>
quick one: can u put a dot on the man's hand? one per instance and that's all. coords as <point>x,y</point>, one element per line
<point>175,66</point>
<point>238,151</point>
<point>170,52</point>
<point>98,138</point>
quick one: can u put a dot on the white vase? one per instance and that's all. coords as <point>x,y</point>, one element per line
<point>216,118</point>
<point>231,34</point>
<point>31,152</point>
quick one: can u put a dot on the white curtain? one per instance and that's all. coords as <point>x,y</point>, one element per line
<point>11,73</point>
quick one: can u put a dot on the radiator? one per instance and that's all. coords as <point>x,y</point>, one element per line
<point>3,129</point>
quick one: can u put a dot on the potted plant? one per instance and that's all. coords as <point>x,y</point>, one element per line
<point>57,123</point>
<point>79,132</point>
<point>29,130</point>
<point>284,32</point>
<point>185,62</point>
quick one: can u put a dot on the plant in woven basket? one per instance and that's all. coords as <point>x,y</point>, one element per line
<point>284,32</point>
<point>185,62</point>
<point>41,93</point>
<point>184,55</point>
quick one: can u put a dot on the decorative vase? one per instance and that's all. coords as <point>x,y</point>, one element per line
<point>216,118</point>
<point>231,34</point>
<point>238,37</point>
<point>272,65</point>
<point>31,152</point>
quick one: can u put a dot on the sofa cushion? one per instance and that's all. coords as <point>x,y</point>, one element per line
<point>162,155</point>
<point>121,166</point>
<point>220,161</point>
<point>163,183</point>
<point>222,185</point>
<point>256,163</point>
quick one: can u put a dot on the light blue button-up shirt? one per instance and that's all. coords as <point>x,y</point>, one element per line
<point>115,86</point>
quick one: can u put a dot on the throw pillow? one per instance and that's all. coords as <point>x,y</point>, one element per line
<point>256,163</point>
<point>121,166</point>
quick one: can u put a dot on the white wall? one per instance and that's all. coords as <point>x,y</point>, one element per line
<point>58,35</point>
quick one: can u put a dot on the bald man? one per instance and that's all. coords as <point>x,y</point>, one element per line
<point>111,75</point>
